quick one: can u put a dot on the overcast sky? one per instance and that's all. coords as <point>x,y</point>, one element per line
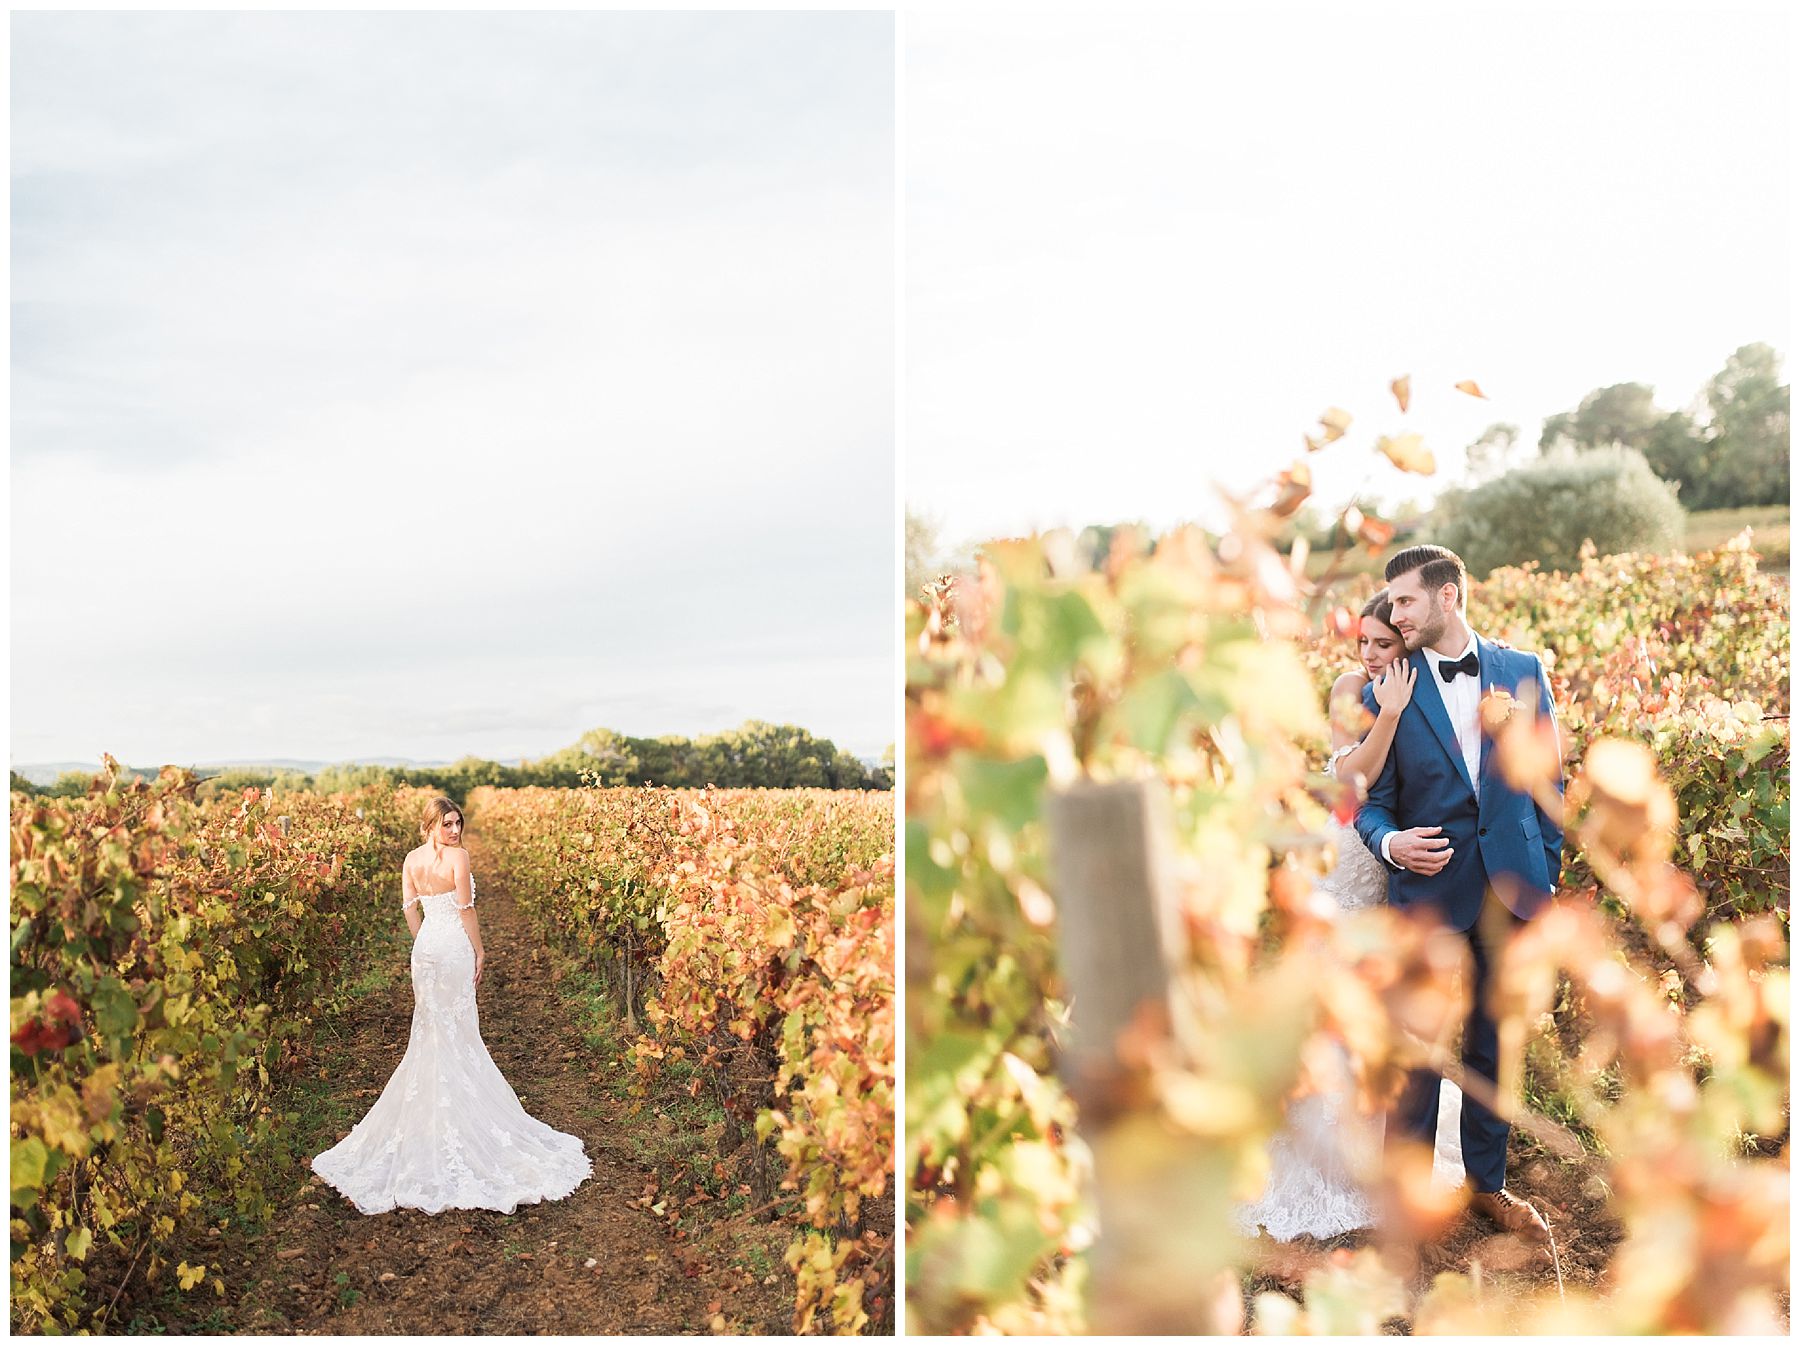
<point>1144,252</point>
<point>427,384</point>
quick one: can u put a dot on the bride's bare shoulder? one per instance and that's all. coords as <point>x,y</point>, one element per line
<point>1350,683</point>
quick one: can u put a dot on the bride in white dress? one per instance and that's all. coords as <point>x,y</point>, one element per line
<point>1325,1142</point>
<point>448,1132</point>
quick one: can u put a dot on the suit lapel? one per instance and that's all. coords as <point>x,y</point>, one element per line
<point>1430,702</point>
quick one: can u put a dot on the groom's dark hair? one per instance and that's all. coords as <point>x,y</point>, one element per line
<point>1437,566</point>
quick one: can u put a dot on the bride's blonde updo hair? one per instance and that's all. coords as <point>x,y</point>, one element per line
<point>435,812</point>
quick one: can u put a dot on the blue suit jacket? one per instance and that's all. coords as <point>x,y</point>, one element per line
<point>1501,837</point>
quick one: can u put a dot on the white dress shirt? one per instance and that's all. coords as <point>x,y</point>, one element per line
<point>1462,702</point>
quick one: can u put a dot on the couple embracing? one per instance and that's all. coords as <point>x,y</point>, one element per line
<point>1439,832</point>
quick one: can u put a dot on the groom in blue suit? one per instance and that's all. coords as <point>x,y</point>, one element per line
<point>1457,841</point>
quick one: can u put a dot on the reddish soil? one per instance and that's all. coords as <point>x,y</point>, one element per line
<point>320,1267</point>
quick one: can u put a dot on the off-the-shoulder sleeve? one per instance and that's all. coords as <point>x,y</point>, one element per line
<point>464,906</point>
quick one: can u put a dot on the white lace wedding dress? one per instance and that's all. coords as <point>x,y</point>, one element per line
<point>448,1132</point>
<point>1325,1140</point>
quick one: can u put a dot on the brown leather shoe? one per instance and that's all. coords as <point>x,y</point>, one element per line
<point>1511,1214</point>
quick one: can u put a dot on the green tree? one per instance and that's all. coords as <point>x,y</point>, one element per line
<point>469,773</point>
<point>668,760</point>
<point>846,772</point>
<point>344,776</point>
<point>1544,511</point>
<point>1679,453</point>
<point>234,780</point>
<point>1748,433</point>
<point>22,785</point>
<point>610,755</point>
<point>1737,457</point>
<point>69,785</point>
<point>567,768</point>
<point>1623,414</point>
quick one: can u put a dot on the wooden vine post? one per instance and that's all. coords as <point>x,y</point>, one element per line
<point>1120,942</point>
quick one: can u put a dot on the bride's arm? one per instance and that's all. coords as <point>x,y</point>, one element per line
<point>1392,691</point>
<point>409,901</point>
<point>465,906</point>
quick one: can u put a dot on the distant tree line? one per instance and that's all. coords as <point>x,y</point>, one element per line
<point>776,756</point>
<point>1622,472</point>
<point>1728,449</point>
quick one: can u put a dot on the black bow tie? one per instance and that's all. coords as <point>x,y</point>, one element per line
<point>1467,664</point>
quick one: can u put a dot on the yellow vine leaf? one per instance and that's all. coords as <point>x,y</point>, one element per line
<point>1408,453</point>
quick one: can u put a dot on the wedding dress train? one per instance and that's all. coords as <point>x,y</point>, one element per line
<point>1325,1142</point>
<point>448,1132</point>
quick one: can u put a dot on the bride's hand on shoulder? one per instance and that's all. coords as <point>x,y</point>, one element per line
<point>1394,688</point>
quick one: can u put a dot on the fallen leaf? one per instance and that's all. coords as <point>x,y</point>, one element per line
<point>591,1263</point>
<point>289,1254</point>
<point>718,1323</point>
<point>714,1305</point>
<point>1472,388</point>
<point>387,1276</point>
<point>1402,387</point>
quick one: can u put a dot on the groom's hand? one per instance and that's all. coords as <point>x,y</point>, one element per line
<point>1423,850</point>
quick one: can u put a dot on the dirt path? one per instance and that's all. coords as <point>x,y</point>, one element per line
<point>1565,1192</point>
<point>321,1267</point>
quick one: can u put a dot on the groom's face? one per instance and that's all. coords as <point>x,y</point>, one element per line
<point>1419,615</point>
